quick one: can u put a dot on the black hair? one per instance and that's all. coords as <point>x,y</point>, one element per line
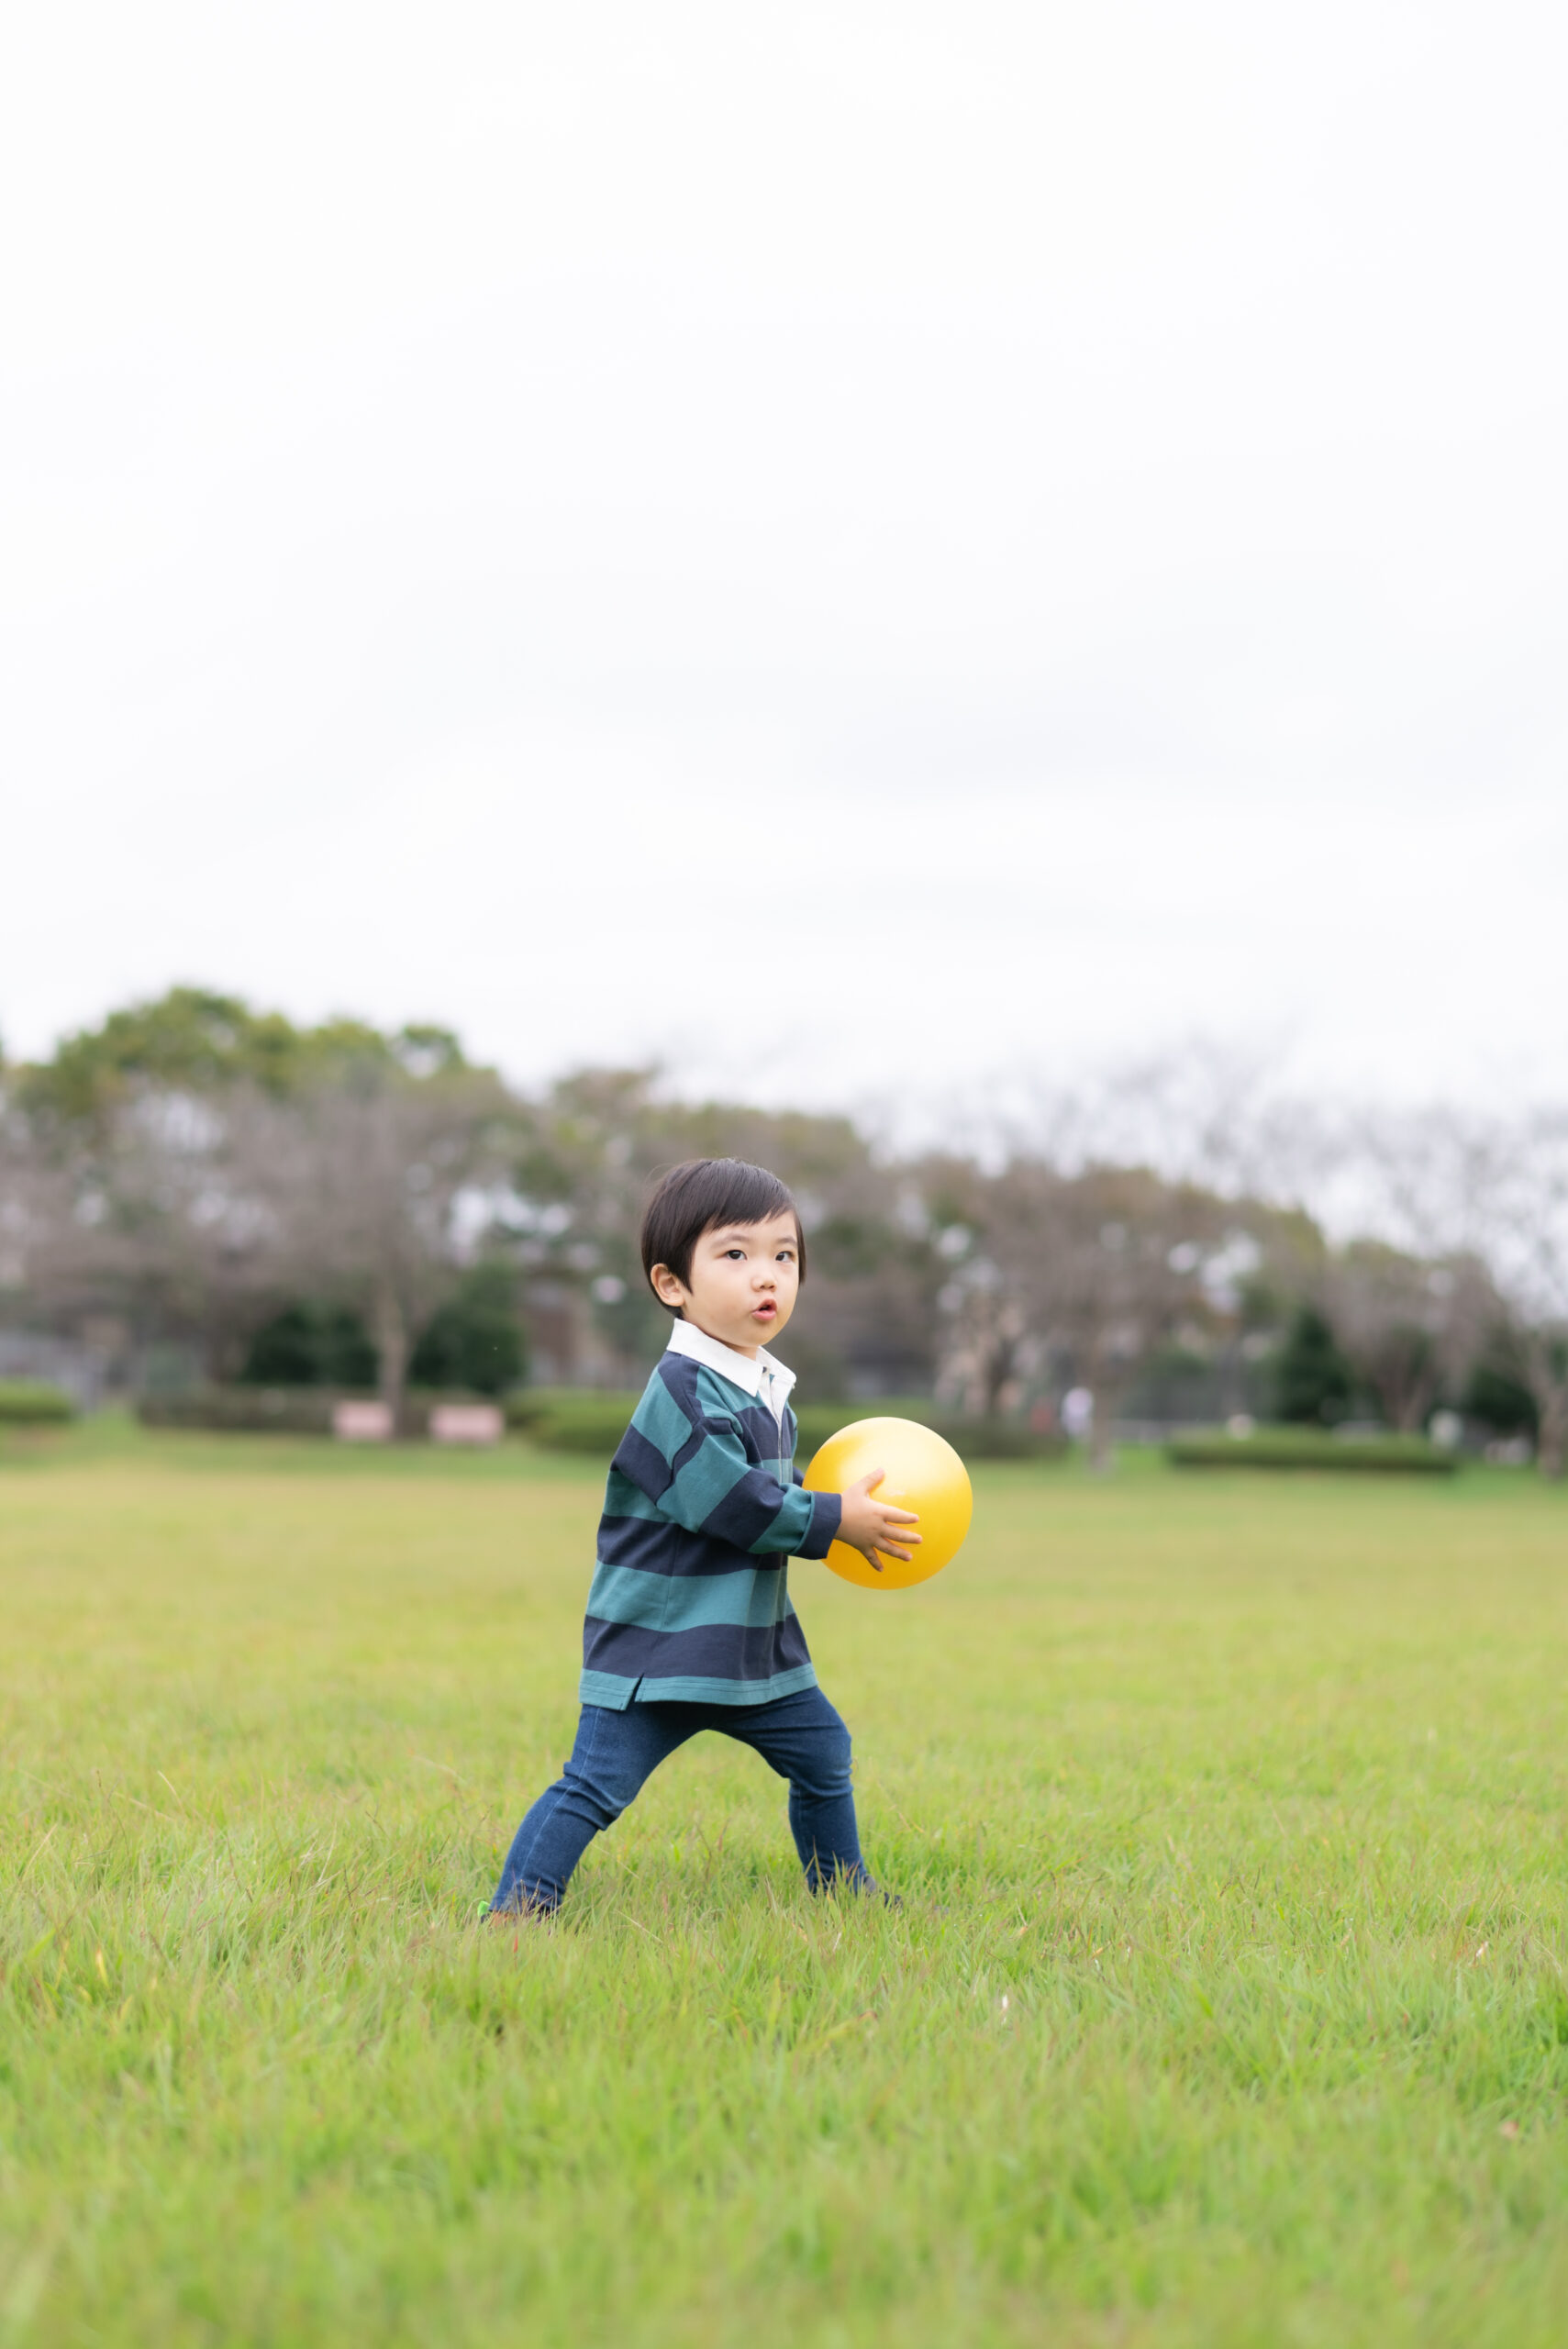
<point>701,1196</point>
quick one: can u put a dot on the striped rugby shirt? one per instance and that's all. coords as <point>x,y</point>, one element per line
<point>703,1511</point>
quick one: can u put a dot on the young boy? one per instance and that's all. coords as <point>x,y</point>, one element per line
<point>689,1624</point>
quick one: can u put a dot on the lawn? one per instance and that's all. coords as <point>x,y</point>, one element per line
<point>1227,2004</point>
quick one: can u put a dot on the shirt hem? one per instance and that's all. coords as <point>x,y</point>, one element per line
<point>615,1692</point>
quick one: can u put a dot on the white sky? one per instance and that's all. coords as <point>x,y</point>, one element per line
<point>857,548</point>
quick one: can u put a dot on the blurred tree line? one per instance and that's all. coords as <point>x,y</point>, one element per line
<point>197,1188</point>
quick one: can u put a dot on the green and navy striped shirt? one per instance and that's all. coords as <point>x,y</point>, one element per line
<point>703,1511</point>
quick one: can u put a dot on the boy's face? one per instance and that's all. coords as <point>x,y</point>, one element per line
<point>744,1281</point>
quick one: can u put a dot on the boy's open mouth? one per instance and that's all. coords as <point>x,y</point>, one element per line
<point>765,1311</point>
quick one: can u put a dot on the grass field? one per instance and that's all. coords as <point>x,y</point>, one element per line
<point>1227,2004</point>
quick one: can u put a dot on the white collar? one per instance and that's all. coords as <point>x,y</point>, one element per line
<point>761,1374</point>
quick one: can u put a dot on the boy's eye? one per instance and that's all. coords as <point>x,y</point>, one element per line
<point>737,1252</point>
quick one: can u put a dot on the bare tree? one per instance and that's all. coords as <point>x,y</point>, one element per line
<point>1095,1267</point>
<point>1121,1265</point>
<point>1526,1218</point>
<point>363,1178</point>
<point>1409,1328</point>
<point>34,1204</point>
<point>587,1154</point>
<point>143,1212</point>
<point>1462,1190</point>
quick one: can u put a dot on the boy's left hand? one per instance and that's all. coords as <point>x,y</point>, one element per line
<point>869,1525</point>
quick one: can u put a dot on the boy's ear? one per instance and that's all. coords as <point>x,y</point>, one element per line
<point>666,1287</point>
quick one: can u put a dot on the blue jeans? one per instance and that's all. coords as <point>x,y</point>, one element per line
<point>801,1736</point>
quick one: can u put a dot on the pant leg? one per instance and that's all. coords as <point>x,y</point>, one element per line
<point>613,1754</point>
<point>803,1740</point>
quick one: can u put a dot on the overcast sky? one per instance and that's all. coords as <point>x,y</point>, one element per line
<point>853,549</point>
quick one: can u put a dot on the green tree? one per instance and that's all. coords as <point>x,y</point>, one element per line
<point>1315,1383</point>
<point>196,1041</point>
<point>1498,1396</point>
<point>311,1345</point>
<point>474,1339</point>
<point>365,1177</point>
<point>214,1162</point>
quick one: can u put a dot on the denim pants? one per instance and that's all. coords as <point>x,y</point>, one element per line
<point>801,1736</point>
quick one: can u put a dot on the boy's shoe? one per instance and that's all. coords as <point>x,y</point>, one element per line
<point>864,1888</point>
<point>516,1912</point>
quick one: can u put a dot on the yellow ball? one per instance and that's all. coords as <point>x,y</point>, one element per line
<point>920,1472</point>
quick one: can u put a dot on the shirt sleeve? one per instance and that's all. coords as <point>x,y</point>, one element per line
<point>711,1486</point>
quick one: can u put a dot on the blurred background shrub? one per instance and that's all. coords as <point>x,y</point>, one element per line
<point>30,1403</point>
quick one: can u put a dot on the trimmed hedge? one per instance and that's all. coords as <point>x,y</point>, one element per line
<point>526,1405</point>
<point>593,1420</point>
<point>33,1403</point>
<point>971,1439</point>
<point>589,1420</point>
<point>1308,1448</point>
<point>242,1411</point>
<point>818,1421</point>
<point>279,1410</point>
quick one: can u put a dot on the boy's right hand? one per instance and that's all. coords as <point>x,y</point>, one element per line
<point>869,1525</point>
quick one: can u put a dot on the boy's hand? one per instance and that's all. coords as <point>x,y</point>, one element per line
<point>869,1526</point>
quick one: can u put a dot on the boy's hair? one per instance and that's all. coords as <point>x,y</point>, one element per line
<point>698,1197</point>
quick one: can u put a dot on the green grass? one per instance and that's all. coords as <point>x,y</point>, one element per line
<point>1227,2005</point>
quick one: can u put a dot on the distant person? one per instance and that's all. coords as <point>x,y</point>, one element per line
<point>689,1624</point>
<point>1078,1413</point>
